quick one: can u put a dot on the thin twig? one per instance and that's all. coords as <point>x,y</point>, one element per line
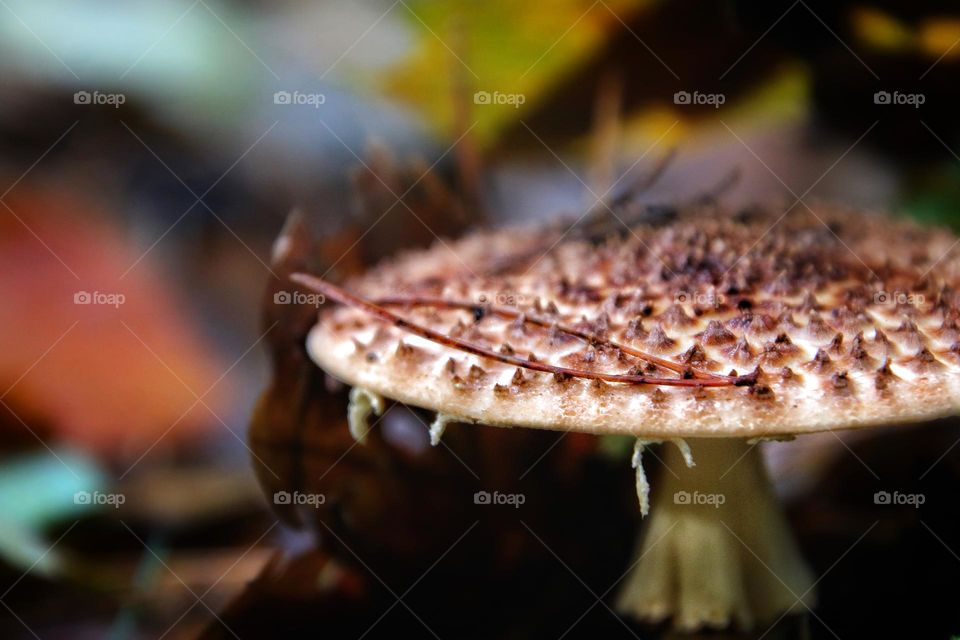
<point>342,296</point>
<point>643,183</point>
<point>505,312</point>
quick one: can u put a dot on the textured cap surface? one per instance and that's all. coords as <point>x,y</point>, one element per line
<point>848,320</point>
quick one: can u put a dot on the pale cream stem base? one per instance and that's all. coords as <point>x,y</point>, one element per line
<point>716,549</point>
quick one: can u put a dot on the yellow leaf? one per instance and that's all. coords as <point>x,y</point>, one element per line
<point>505,52</point>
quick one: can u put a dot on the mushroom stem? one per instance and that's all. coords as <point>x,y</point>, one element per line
<point>716,550</point>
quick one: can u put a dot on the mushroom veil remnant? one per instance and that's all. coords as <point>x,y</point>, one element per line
<point>700,335</point>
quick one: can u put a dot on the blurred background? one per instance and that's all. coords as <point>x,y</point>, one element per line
<point>152,152</point>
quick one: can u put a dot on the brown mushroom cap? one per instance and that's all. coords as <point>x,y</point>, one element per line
<point>848,319</point>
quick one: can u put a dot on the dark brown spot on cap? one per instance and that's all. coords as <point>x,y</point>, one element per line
<point>836,344</point>
<point>675,316</point>
<point>821,361</point>
<point>840,381</point>
<point>817,328</point>
<point>694,356</point>
<point>635,330</point>
<point>658,339</point>
<point>761,391</point>
<point>741,352</point>
<point>717,334</point>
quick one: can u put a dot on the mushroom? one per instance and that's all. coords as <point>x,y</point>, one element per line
<point>716,550</point>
